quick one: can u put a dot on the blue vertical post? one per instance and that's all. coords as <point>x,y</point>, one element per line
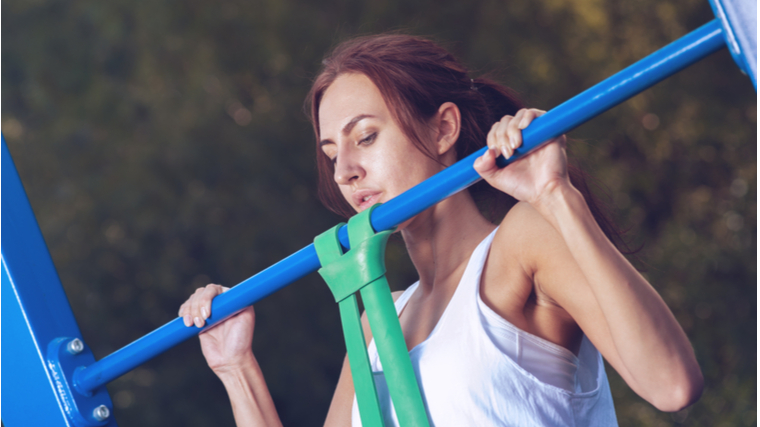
<point>37,321</point>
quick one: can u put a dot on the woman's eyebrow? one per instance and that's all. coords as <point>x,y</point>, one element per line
<point>350,125</point>
<point>347,128</point>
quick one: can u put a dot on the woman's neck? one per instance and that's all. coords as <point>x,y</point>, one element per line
<point>441,239</point>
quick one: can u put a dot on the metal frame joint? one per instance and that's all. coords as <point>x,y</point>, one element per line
<point>66,357</point>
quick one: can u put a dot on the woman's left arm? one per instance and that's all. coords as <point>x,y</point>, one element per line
<point>640,336</point>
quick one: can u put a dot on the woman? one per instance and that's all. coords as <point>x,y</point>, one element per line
<point>505,322</point>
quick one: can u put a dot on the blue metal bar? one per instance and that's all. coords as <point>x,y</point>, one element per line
<point>35,312</point>
<point>605,95</point>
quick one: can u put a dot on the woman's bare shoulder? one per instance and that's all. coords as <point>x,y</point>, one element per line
<point>525,214</point>
<point>522,228</point>
<point>523,238</point>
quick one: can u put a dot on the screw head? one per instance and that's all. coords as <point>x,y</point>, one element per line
<point>75,346</point>
<point>101,413</point>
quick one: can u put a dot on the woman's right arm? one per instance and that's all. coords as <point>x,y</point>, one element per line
<point>227,349</point>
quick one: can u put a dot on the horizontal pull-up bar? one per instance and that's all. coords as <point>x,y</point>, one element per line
<point>561,119</point>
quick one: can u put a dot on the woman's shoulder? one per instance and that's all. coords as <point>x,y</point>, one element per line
<point>523,224</point>
<point>523,237</point>
<point>522,211</point>
<point>507,278</point>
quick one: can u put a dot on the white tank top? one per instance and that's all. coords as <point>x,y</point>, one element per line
<point>477,369</point>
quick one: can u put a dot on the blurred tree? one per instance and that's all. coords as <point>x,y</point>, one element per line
<point>163,146</point>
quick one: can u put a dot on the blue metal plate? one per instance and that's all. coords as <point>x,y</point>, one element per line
<point>739,21</point>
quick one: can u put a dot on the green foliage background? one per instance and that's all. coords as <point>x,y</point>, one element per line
<point>163,146</point>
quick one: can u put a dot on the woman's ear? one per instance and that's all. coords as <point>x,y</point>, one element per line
<point>449,123</point>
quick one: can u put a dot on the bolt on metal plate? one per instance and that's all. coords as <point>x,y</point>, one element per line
<point>101,413</point>
<point>75,346</point>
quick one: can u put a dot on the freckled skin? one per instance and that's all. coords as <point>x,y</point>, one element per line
<point>389,164</point>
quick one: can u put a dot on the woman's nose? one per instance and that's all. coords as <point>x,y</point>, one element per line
<point>347,167</point>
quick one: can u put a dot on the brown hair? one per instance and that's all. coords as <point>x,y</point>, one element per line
<point>415,76</point>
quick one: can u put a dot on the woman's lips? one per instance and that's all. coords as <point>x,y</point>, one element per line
<point>364,199</point>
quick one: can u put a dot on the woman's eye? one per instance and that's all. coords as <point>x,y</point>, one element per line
<point>369,139</point>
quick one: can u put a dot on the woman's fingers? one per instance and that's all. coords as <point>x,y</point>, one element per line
<point>485,165</point>
<point>514,131</point>
<point>182,309</point>
<point>498,137</point>
<point>187,310</point>
<point>202,304</point>
<point>529,116</point>
<point>522,120</point>
<point>211,291</point>
<point>197,308</point>
<point>528,179</point>
<point>505,135</point>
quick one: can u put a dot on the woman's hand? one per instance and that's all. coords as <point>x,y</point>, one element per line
<point>534,176</point>
<point>227,349</point>
<point>226,346</point>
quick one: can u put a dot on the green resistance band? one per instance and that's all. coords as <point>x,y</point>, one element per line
<point>362,269</point>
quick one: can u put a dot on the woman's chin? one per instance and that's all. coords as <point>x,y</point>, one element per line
<point>405,226</point>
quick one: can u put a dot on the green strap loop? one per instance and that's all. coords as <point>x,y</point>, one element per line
<point>329,251</point>
<point>356,268</point>
<point>362,269</point>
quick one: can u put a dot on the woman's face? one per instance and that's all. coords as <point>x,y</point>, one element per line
<point>374,160</point>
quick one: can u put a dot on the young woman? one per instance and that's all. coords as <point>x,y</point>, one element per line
<point>506,323</point>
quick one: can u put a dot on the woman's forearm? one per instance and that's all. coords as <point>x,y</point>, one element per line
<point>650,343</point>
<point>252,403</point>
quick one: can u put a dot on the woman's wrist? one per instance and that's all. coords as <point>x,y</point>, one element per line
<point>558,200</point>
<point>251,401</point>
<point>237,369</point>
